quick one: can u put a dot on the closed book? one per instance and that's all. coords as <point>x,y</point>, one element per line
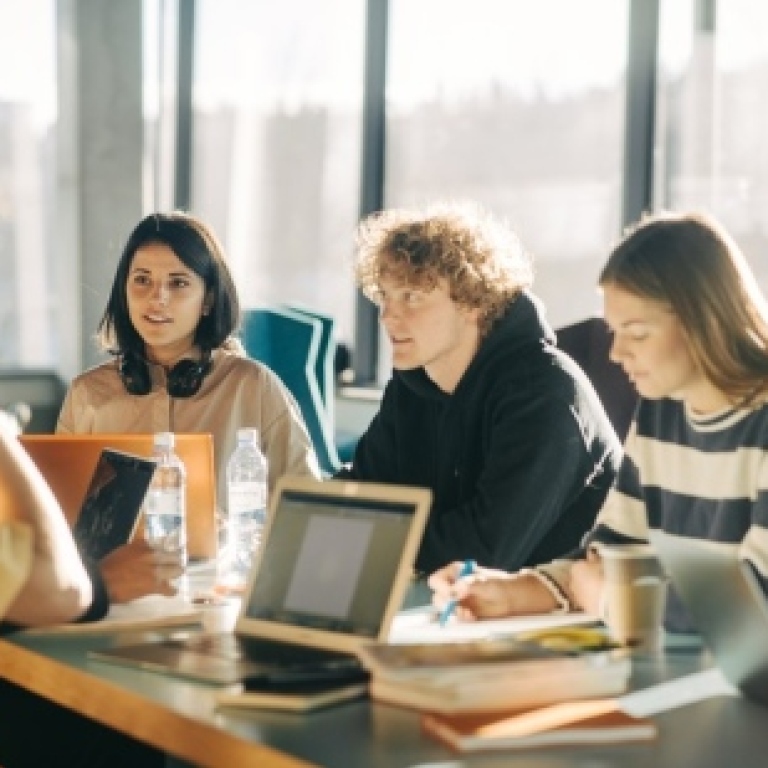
<point>411,660</point>
<point>563,724</point>
<point>482,692</point>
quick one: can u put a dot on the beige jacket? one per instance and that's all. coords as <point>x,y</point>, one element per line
<point>238,392</point>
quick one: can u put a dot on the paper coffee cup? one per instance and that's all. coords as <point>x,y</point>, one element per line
<point>217,614</point>
<point>635,595</point>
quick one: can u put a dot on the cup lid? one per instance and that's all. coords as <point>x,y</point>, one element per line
<point>626,551</point>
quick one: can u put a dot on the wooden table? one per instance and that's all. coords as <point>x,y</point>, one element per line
<point>180,717</point>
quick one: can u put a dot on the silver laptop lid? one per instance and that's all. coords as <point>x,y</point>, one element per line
<point>726,602</point>
<point>336,560</point>
<point>66,462</point>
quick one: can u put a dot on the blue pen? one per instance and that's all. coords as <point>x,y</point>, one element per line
<point>467,569</point>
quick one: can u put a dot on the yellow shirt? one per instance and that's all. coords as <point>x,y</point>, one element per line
<point>238,392</point>
<point>15,560</point>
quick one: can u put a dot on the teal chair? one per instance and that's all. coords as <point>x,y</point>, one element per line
<point>289,343</point>
<point>325,353</point>
<point>344,440</point>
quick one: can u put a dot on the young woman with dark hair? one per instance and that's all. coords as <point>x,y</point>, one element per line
<point>177,366</point>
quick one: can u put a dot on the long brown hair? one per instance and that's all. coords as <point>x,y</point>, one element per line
<point>688,261</point>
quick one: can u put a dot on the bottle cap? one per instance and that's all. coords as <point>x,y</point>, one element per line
<point>164,440</point>
<point>248,436</point>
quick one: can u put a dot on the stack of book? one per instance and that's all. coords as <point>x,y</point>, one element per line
<point>507,693</point>
<point>489,675</point>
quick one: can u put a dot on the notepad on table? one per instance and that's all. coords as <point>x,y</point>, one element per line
<point>568,723</point>
<point>150,612</point>
<point>299,698</point>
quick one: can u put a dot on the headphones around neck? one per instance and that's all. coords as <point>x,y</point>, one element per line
<point>183,380</point>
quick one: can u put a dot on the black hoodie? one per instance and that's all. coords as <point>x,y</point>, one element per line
<point>519,457</point>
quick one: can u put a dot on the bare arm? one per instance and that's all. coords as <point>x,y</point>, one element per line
<point>587,584</point>
<point>58,588</point>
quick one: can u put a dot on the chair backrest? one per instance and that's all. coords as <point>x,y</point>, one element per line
<point>327,373</point>
<point>588,342</point>
<point>288,342</point>
<point>324,365</point>
<point>38,391</point>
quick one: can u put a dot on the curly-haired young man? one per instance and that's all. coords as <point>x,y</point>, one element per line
<point>482,407</point>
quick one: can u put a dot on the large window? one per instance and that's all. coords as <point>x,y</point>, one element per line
<point>518,105</point>
<point>712,132</point>
<point>276,158</point>
<point>160,55</point>
<point>28,310</point>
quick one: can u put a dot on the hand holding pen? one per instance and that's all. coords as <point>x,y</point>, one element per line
<point>467,569</point>
<point>488,594</point>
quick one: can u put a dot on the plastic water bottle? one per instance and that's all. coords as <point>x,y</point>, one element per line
<point>246,508</point>
<point>165,505</point>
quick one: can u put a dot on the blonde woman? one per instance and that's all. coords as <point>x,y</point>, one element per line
<point>690,328</point>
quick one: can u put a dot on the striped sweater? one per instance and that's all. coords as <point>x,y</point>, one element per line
<point>701,477</point>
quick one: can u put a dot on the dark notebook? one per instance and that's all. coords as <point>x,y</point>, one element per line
<point>112,506</point>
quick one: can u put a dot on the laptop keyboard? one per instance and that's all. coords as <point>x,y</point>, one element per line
<point>228,646</point>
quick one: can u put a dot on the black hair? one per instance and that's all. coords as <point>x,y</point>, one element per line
<point>195,244</point>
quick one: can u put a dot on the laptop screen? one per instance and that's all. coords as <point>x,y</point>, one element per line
<point>330,562</point>
<point>726,602</point>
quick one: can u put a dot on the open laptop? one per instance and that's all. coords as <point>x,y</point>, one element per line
<point>335,562</point>
<point>67,463</point>
<point>723,596</point>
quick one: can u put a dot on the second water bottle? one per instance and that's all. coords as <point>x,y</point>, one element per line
<point>165,505</point>
<point>246,507</point>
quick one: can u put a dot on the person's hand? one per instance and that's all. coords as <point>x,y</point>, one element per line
<point>489,593</point>
<point>136,570</point>
<point>587,583</point>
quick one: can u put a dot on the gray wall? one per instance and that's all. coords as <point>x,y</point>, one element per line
<point>99,158</point>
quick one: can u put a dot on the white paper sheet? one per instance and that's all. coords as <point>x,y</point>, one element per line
<point>677,693</point>
<point>144,613</point>
<point>420,625</point>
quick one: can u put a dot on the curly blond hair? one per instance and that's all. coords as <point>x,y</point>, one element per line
<point>481,258</point>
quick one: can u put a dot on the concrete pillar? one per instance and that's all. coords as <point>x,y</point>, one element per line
<point>99,185</point>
